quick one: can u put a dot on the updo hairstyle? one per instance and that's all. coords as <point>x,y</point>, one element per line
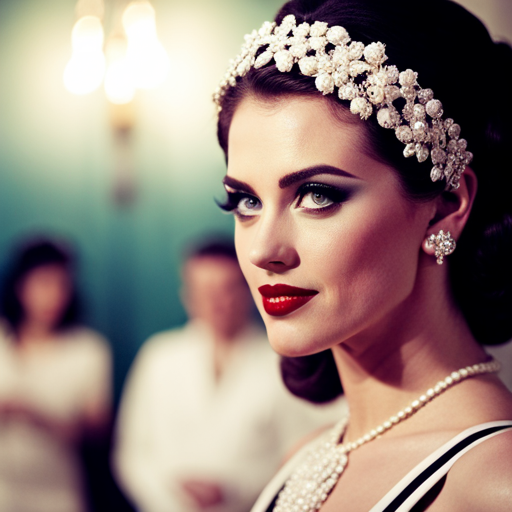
<point>454,55</point>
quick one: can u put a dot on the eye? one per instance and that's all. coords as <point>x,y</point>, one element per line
<point>320,197</point>
<point>241,204</point>
<point>315,200</point>
<point>247,206</point>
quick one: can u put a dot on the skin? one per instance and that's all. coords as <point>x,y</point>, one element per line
<point>44,294</point>
<point>383,306</point>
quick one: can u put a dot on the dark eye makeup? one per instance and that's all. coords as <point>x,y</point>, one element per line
<point>322,198</point>
<point>233,200</point>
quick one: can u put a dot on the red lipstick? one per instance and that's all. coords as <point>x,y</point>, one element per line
<point>281,299</point>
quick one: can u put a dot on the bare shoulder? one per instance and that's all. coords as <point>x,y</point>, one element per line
<point>482,478</point>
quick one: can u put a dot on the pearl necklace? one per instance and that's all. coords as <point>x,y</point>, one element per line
<point>312,481</point>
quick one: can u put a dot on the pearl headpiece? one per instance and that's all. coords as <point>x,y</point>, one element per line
<point>357,71</point>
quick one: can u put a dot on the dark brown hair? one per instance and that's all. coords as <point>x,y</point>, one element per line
<point>452,52</point>
<point>29,255</point>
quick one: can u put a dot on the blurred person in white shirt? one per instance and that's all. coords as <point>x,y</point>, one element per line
<point>205,419</point>
<point>55,383</point>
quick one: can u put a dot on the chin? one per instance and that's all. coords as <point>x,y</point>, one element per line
<point>293,341</point>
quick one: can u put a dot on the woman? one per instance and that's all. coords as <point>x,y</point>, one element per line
<point>347,245</point>
<point>54,383</point>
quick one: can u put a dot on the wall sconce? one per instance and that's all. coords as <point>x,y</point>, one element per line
<point>132,58</point>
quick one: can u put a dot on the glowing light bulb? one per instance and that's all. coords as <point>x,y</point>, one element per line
<point>84,71</point>
<point>139,22</point>
<point>141,63</point>
<point>84,75</point>
<point>119,86</point>
<point>87,35</point>
<point>146,56</point>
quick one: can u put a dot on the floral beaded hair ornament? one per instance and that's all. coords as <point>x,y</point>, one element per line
<point>359,74</point>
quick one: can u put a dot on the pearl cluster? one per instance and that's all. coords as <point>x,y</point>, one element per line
<point>312,481</point>
<point>358,72</point>
<point>310,484</point>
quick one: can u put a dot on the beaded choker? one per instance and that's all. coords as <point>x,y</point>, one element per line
<point>359,75</point>
<point>312,481</point>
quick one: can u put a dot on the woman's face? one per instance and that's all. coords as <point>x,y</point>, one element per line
<point>315,213</point>
<point>44,294</point>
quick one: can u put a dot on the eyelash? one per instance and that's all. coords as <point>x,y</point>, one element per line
<point>233,200</point>
<point>336,195</point>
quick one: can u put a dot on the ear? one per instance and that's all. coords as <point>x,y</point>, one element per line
<point>453,209</point>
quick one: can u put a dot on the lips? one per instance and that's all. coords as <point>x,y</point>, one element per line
<point>281,299</point>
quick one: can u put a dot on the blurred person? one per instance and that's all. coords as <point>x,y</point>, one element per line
<point>204,419</point>
<point>55,383</point>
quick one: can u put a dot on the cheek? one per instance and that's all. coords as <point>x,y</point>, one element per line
<point>45,297</point>
<point>32,295</point>
<point>372,262</point>
<point>362,260</point>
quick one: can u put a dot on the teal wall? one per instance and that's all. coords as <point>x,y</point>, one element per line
<point>58,158</point>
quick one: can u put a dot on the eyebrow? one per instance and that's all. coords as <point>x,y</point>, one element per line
<point>289,179</point>
<point>238,185</point>
<point>303,174</point>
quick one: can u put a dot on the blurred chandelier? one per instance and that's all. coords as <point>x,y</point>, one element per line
<point>132,58</point>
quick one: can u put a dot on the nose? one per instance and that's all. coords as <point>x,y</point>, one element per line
<point>272,247</point>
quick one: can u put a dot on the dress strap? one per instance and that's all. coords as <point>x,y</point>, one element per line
<point>404,495</point>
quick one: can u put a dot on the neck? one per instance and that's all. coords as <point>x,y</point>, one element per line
<point>382,373</point>
<point>31,332</point>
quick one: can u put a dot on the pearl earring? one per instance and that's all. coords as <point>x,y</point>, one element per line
<point>443,244</point>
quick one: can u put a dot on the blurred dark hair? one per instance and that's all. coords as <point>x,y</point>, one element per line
<point>313,377</point>
<point>447,46</point>
<point>212,246</point>
<point>28,256</point>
